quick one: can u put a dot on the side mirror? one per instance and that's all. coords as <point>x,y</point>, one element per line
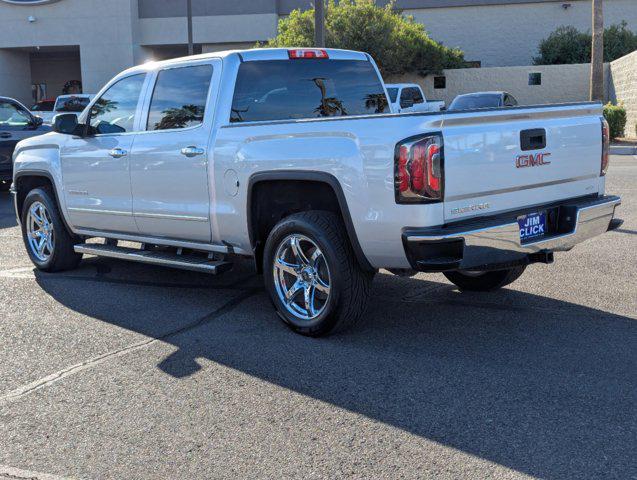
<point>407,103</point>
<point>65,123</point>
<point>36,122</point>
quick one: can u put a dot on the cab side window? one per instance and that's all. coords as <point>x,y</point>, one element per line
<point>12,117</point>
<point>510,101</point>
<point>179,98</point>
<point>114,111</point>
<point>411,93</point>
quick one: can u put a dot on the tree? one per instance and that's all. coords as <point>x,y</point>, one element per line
<point>569,45</point>
<point>619,41</point>
<point>397,43</point>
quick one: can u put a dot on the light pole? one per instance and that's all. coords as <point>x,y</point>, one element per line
<point>597,53</point>
<point>191,49</point>
<point>319,23</point>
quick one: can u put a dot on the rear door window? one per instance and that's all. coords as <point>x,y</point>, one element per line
<point>179,98</point>
<point>308,88</point>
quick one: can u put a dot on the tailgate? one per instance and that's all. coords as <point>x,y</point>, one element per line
<point>502,160</point>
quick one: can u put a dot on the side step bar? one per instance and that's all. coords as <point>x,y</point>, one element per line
<point>165,259</point>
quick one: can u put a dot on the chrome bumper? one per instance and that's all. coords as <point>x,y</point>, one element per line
<point>496,242</point>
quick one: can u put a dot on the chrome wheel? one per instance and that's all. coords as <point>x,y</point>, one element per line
<point>301,277</point>
<point>40,232</point>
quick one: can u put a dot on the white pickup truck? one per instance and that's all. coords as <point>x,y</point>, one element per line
<point>290,157</point>
<point>408,97</point>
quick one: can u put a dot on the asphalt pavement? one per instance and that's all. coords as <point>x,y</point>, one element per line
<point>120,370</point>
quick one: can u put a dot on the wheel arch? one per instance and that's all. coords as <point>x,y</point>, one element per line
<point>321,181</point>
<point>26,180</point>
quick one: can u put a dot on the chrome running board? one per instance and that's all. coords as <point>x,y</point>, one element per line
<point>156,257</point>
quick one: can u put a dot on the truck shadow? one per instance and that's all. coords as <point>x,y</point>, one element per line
<point>541,386</point>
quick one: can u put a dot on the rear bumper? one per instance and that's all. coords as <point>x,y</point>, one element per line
<point>494,243</point>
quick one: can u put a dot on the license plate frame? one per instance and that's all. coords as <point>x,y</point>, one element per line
<point>532,226</point>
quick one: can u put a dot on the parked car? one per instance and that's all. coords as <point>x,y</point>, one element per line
<point>408,97</point>
<point>16,123</point>
<point>472,101</point>
<point>46,105</point>
<point>63,104</point>
<point>289,157</point>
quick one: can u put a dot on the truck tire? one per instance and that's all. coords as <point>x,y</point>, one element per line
<point>484,281</point>
<point>48,243</point>
<point>312,275</point>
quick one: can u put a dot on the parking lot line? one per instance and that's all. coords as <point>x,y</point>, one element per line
<point>92,362</point>
<point>11,473</point>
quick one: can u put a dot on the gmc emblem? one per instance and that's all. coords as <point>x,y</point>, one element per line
<point>531,160</point>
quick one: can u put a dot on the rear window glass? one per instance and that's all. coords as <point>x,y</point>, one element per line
<point>308,88</point>
<point>71,104</point>
<point>179,98</point>
<point>475,101</point>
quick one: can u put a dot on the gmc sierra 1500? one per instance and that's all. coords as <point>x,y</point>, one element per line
<point>292,157</point>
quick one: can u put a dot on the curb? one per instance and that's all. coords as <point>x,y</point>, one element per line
<point>623,150</point>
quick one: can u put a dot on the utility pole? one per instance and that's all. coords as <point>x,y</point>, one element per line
<point>597,53</point>
<point>319,23</point>
<point>191,49</point>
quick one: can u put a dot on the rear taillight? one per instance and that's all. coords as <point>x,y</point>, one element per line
<point>419,169</point>
<point>307,53</point>
<point>605,146</point>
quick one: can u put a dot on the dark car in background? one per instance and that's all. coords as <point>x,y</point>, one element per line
<point>46,105</point>
<point>473,101</point>
<point>16,123</point>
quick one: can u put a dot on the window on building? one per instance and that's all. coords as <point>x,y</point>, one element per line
<point>440,82</point>
<point>535,78</point>
<point>309,88</point>
<point>179,98</point>
<point>114,111</point>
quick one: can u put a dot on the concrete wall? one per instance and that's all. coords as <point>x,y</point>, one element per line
<point>15,67</point>
<point>102,29</point>
<point>502,35</point>
<point>55,70</point>
<point>623,88</point>
<point>209,29</point>
<point>560,83</point>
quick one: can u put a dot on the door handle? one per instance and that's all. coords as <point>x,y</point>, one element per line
<point>118,153</point>
<point>5,135</point>
<point>192,151</point>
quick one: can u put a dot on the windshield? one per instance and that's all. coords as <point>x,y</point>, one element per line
<point>470,102</point>
<point>71,104</point>
<point>393,93</point>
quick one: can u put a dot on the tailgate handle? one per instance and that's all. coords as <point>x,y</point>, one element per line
<point>534,139</point>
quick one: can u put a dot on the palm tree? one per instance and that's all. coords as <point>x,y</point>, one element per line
<point>597,56</point>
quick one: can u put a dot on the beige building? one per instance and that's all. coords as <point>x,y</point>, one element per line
<point>49,44</point>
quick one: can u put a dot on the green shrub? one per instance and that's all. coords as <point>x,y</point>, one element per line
<point>397,43</point>
<point>569,45</point>
<point>615,115</point>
